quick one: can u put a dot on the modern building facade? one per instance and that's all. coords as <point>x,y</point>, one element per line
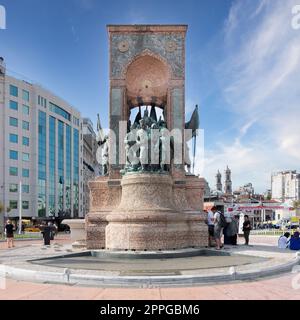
<point>90,164</point>
<point>41,147</point>
<point>286,186</point>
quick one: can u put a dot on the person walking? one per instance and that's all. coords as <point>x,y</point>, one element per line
<point>219,224</point>
<point>211,227</point>
<point>226,231</point>
<point>233,230</point>
<point>9,231</point>
<point>47,231</point>
<point>246,229</point>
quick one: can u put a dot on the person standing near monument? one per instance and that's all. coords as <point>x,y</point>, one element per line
<point>233,230</point>
<point>211,227</point>
<point>47,231</point>
<point>219,224</point>
<point>9,231</point>
<point>246,229</point>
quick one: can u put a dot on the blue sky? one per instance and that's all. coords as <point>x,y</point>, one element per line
<point>243,69</point>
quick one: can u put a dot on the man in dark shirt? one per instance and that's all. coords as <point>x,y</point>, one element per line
<point>9,231</point>
<point>246,229</point>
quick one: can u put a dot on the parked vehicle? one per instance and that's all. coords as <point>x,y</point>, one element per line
<point>64,228</point>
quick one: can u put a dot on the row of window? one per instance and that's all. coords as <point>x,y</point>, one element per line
<point>14,138</point>
<point>14,91</point>
<point>58,110</point>
<point>14,155</point>
<point>13,105</point>
<point>14,188</point>
<point>42,102</point>
<point>13,204</point>
<point>13,171</point>
<point>15,123</point>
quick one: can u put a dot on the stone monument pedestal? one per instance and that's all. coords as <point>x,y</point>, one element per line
<point>147,218</point>
<point>78,235</point>
<point>105,195</point>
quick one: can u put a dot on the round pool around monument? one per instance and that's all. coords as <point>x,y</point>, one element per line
<point>150,263</point>
<point>185,267</point>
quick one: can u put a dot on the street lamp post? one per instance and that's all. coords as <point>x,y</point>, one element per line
<point>20,208</point>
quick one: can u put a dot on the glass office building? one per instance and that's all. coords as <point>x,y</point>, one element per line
<point>41,139</point>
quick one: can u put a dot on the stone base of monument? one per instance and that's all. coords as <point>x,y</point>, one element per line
<point>148,219</point>
<point>78,234</point>
<point>105,195</point>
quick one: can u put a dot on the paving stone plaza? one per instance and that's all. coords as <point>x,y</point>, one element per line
<point>54,281</point>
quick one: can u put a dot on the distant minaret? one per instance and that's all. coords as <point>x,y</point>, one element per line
<point>219,181</point>
<point>228,182</point>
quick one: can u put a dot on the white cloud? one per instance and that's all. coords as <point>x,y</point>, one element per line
<point>260,80</point>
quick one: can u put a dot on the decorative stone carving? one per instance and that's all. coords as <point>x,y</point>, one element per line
<point>123,46</point>
<point>147,218</point>
<point>158,43</point>
<point>171,46</point>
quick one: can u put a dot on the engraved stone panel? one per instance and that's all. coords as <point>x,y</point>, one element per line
<point>168,46</point>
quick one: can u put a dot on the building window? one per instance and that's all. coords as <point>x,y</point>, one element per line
<point>25,205</point>
<point>13,187</point>
<point>25,125</point>
<point>60,164</point>
<point>13,138</point>
<point>25,95</point>
<point>68,186</point>
<point>42,102</point>
<point>13,204</point>
<point>13,90</point>
<point>13,155</point>
<point>13,122</point>
<point>25,156</point>
<point>25,173</point>
<point>13,171</point>
<point>13,105</point>
<point>25,110</point>
<point>42,164</point>
<point>25,141</point>
<point>52,166</point>
<point>76,121</point>
<point>75,173</point>
<point>25,188</point>
<point>58,110</point>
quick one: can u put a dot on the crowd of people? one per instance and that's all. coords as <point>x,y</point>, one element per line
<point>48,230</point>
<point>288,241</point>
<point>220,224</point>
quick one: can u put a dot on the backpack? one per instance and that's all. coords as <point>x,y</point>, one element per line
<point>223,223</point>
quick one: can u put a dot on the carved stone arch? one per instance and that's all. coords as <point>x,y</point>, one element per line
<point>147,78</point>
<point>150,53</point>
